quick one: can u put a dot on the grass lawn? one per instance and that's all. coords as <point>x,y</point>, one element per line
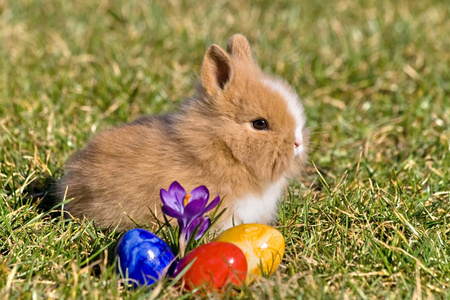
<point>370,216</point>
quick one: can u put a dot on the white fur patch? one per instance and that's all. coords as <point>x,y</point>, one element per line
<point>294,107</point>
<point>257,208</point>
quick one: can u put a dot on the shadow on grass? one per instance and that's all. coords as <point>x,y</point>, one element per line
<point>42,193</point>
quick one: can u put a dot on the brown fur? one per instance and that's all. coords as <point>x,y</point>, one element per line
<point>209,141</point>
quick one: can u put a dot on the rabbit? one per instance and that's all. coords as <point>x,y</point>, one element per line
<point>242,135</point>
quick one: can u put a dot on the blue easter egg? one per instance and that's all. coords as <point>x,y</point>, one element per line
<point>143,256</point>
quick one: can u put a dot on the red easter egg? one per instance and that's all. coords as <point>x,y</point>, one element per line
<point>216,265</point>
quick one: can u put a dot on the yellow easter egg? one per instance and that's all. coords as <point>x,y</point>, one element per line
<point>262,245</point>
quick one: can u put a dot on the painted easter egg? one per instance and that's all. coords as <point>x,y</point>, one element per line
<point>143,256</point>
<point>263,246</point>
<point>215,265</point>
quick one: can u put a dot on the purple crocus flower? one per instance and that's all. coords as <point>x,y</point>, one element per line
<point>188,209</point>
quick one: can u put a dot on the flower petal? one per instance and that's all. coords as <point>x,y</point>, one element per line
<point>167,210</point>
<point>195,208</point>
<point>200,192</point>
<point>203,227</point>
<point>177,191</point>
<point>170,200</point>
<point>212,204</point>
<point>197,202</point>
<point>202,223</point>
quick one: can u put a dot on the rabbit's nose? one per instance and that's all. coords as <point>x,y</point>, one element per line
<point>298,145</point>
<point>298,140</point>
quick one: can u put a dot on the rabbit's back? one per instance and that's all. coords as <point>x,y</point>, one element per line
<point>121,171</point>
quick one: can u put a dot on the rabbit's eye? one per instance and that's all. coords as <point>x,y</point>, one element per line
<point>260,124</point>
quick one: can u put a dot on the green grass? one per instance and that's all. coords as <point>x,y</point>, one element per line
<point>370,219</point>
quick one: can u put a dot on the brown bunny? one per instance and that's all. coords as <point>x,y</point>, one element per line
<point>242,135</point>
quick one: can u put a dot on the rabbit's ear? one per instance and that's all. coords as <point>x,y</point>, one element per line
<point>217,70</point>
<point>238,47</point>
